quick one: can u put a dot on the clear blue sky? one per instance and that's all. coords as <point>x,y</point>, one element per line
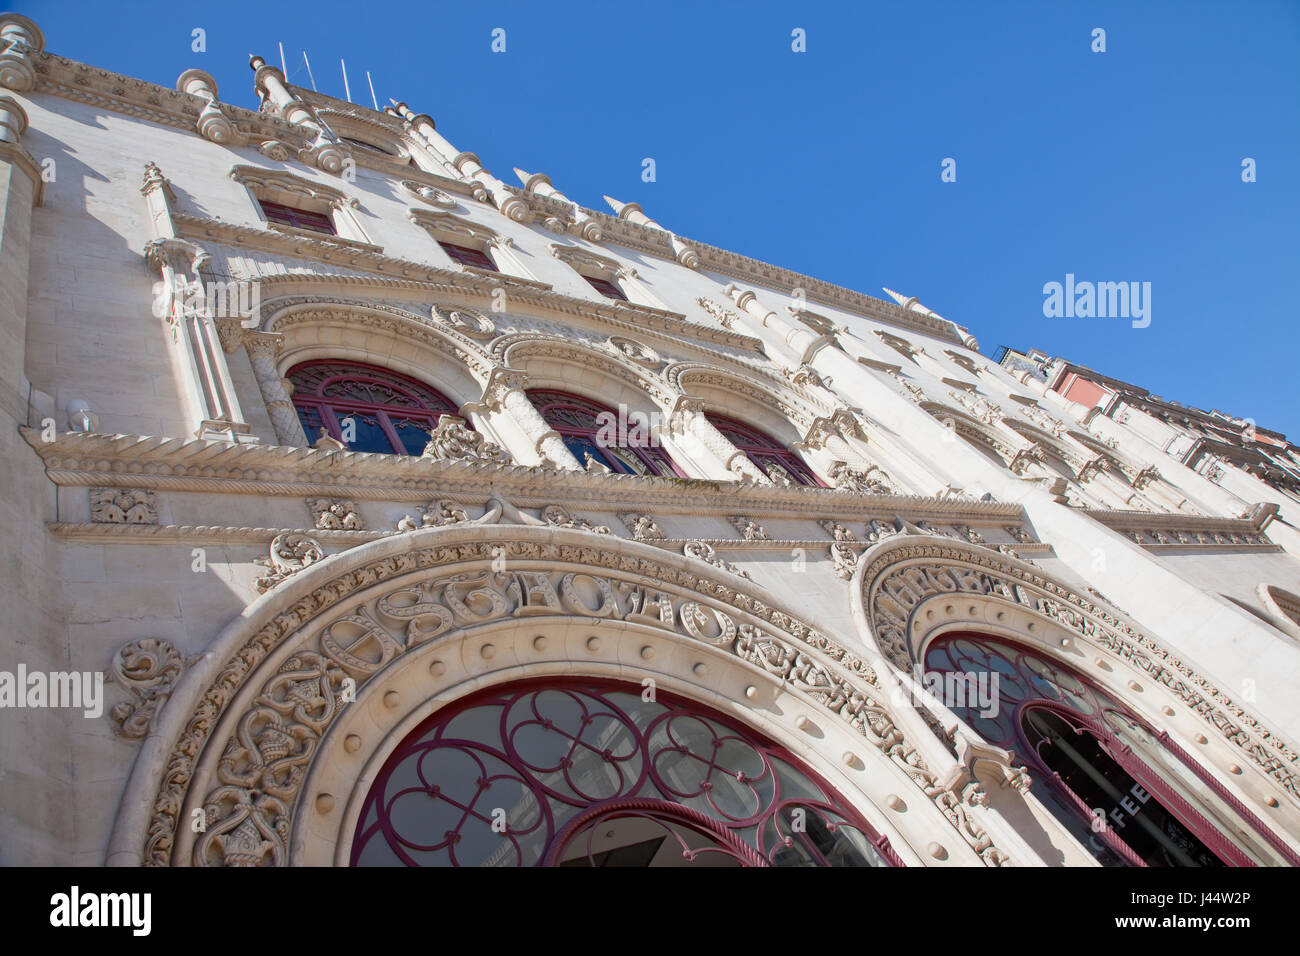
<point>1115,166</point>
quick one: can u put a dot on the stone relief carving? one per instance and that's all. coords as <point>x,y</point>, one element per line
<point>1018,533</point>
<point>863,481</point>
<point>641,354</point>
<point>453,439</point>
<point>559,517</point>
<point>438,514</point>
<point>643,527</point>
<point>122,506</point>
<point>749,529</point>
<point>845,558</point>
<point>256,783</point>
<point>148,669</point>
<point>470,322</point>
<point>707,553</point>
<point>335,514</point>
<point>289,554</point>
<point>724,316</point>
<point>837,530</point>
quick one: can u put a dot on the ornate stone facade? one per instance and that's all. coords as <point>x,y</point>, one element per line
<point>823,494</point>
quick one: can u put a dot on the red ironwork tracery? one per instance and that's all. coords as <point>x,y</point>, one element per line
<point>624,444</point>
<point>389,413</point>
<point>533,773</point>
<point>776,461</point>
<point>1043,707</point>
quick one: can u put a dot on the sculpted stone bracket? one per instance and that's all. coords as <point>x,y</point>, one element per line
<point>279,678</point>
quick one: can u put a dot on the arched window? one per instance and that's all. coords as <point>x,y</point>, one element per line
<point>589,428</point>
<point>1130,795</point>
<point>776,461</point>
<point>378,410</point>
<point>585,772</point>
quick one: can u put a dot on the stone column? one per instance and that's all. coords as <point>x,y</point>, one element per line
<point>724,460</point>
<point>182,303</point>
<point>270,83</point>
<point>504,393</point>
<point>263,348</point>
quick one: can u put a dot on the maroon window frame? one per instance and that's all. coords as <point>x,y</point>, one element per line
<point>469,256</point>
<point>298,218</point>
<point>1041,682</point>
<point>764,450</point>
<point>325,392</point>
<point>578,420</point>
<point>677,761</point>
<point>606,288</point>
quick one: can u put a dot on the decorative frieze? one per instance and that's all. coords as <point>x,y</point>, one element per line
<point>335,514</point>
<point>708,554</point>
<point>749,529</point>
<point>453,439</point>
<point>559,517</point>
<point>123,506</point>
<point>438,514</point>
<point>642,526</point>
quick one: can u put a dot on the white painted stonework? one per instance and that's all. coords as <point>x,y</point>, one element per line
<point>171,523</point>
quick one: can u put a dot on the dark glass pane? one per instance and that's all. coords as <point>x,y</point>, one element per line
<point>369,434</point>
<point>413,434</point>
<point>606,288</point>
<point>469,257</point>
<point>298,218</point>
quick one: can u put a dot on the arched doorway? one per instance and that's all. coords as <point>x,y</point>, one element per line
<point>1126,792</point>
<point>590,772</point>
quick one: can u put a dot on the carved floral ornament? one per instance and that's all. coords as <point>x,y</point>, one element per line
<point>895,577</point>
<point>250,725</point>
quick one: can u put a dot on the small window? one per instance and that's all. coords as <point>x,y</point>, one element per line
<point>297,218</point>
<point>467,256</point>
<point>606,288</point>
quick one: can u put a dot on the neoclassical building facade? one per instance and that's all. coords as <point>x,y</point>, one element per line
<point>421,518</point>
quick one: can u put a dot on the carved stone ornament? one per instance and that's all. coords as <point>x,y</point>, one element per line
<point>470,322</point>
<point>1018,533</point>
<point>724,316</point>
<point>846,560</point>
<point>438,514</point>
<point>641,354</point>
<point>122,506</point>
<point>749,529</point>
<point>643,527</point>
<point>148,669</point>
<point>837,530</point>
<point>559,517</point>
<point>426,193</point>
<point>335,514</point>
<point>290,553</point>
<point>863,481</point>
<point>453,439</point>
<point>276,150</point>
<point>707,553</point>
<point>243,746</point>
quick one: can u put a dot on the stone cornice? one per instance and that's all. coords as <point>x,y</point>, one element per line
<point>389,270</point>
<point>169,107</point>
<point>88,459</point>
<point>1124,520</point>
<point>657,242</point>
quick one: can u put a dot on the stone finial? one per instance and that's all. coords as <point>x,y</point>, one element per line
<point>212,124</point>
<point>19,39</point>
